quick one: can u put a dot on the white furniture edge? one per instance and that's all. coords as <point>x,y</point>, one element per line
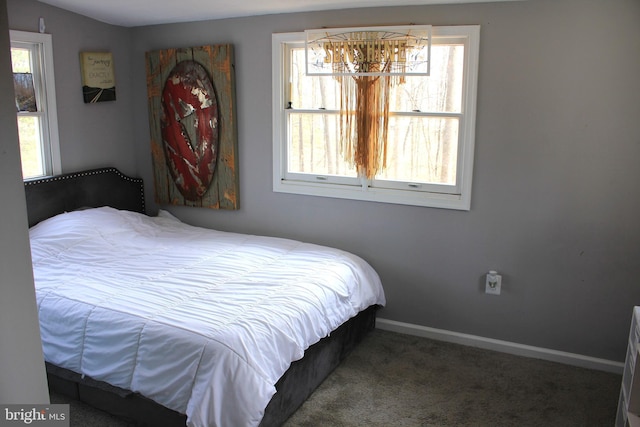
<point>501,346</point>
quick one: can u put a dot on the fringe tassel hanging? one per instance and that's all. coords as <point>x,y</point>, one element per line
<point>368,62</point>
<point>364,120</point>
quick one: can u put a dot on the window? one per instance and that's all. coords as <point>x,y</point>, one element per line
<point>32,61</point>
<point>431,128</point>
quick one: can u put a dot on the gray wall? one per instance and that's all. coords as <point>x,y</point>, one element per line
<point>555,183</point>
<point>22,374</point>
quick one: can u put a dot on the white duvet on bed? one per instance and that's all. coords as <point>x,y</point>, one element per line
<point>201,321</point>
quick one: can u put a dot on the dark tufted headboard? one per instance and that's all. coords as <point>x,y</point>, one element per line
<point>94,188</point>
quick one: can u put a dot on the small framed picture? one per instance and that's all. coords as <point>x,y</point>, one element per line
<point>98,77</point>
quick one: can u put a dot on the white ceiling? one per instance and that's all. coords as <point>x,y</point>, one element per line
<point>133,13</point>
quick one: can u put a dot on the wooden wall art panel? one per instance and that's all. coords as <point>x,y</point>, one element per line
<point>191,96</point>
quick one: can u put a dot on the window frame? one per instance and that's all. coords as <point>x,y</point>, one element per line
<point>41,46</point>
<point>406,193</point>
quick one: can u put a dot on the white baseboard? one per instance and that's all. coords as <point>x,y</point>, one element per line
<point>502,346</point>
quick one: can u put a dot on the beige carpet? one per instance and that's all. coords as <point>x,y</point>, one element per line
<point>399,380</point>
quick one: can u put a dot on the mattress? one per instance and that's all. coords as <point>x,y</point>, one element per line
<point>201,321</point>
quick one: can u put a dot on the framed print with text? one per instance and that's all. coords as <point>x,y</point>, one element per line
<point>98,77</point>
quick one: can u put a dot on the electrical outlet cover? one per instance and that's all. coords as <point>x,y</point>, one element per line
<point>493,284</point>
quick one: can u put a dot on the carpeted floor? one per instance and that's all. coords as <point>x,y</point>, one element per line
<point>400,380</point>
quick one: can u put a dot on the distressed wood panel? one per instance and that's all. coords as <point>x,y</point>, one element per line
<point>218,60</point>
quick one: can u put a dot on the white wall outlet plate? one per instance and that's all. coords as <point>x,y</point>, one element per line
<point>493,285</point>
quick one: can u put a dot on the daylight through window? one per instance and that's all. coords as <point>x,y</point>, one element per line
<point>31,58</point>
<point>430,134</point>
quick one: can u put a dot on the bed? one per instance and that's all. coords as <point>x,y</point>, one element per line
<point>169,324</point>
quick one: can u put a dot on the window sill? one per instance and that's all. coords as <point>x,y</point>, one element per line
<point>369,194</point>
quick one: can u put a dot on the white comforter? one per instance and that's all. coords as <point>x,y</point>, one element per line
<point>201,321</point>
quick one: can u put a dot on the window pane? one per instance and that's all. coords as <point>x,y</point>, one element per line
<point>311,93</point>
<point>441,91</point>
<point>314,147</point>
<point>20,60</point>
<point>30,150</point>
<point>25,92</point>
<point>23,80</point>
<point>422,150</point>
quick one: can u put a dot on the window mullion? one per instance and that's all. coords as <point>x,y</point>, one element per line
<point>426,114</point>
<point>39,114</point>
<point>310,111</point>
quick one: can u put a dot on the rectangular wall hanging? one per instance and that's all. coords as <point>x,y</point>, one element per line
<point>191,96</point>
<point>374,51</point>
<point>98,77</point>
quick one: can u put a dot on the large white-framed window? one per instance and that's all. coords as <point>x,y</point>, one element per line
<point>34,82</point>
<point>431,132</point>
